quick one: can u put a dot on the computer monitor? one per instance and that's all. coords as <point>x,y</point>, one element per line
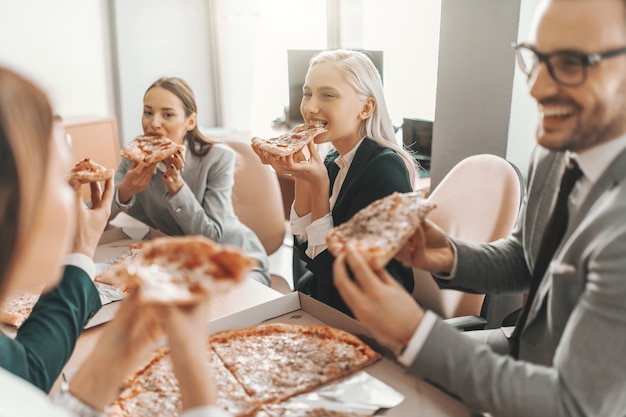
<point>417,135</point>
<point>298,64</point>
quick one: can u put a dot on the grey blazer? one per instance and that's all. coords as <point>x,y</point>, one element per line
<point>572,350</point>
<point>203,206</point>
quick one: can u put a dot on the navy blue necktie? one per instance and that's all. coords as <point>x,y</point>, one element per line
<point>552,237</point>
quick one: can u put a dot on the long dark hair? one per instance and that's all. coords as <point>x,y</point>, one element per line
<point>198,143</point>
<point>26,123</point>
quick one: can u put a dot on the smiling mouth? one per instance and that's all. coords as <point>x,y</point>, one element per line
<point>557,111</point>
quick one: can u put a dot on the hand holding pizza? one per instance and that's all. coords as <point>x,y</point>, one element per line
<point>171,177</point>
<point>92,220</point>
<point>137,179</point>
<point>126,343</point>
<point>187,342</point>
<point>377,300</point>
<point>429,249</point>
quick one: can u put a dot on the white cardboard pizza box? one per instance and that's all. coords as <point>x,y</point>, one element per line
<point>421,398</point>
<point>122,232</point>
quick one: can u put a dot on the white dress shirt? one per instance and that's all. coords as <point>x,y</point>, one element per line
<point>315,232</point>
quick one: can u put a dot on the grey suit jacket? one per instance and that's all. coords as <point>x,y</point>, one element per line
<point>572,348</point>
<point>202,207</point>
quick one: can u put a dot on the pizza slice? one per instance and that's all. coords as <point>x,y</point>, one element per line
<point>154,391</point>
<point>115,274</point>
<point>182,270</point>
<point>150,149</point>
<point>87,171</point>
<point>276,361</point>
<point>381,229</point>
<point>16,308</point>
<point>291,142</point>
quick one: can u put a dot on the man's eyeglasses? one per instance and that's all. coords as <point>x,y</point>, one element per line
<point>565,67</point>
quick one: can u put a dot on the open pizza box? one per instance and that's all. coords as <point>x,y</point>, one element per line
<point>122,232</point>
<point>420,398</point>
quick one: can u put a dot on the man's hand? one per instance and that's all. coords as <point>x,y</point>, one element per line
<point>377,300</point>
<point>91,221</point>
<point>428,249</point>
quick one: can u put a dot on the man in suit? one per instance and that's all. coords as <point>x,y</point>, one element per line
<point>568,350</point>
<point>45,341</point>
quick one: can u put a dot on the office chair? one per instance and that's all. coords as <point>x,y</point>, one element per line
<point>478,200</point>
<point>258,202</point>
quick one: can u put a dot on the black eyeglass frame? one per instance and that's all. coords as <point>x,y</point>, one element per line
<point>586,60</point>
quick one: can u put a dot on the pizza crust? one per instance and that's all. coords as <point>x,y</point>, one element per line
<point>16,308</point>
<point>381,229</point>
<point>150,149</point>
<point>291,142</point>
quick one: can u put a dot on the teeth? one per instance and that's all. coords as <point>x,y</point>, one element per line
<point>318,122</point>
<point>557,111</point>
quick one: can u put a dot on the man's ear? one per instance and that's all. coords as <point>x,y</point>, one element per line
<point>368,108</point>
<point>191,122</point>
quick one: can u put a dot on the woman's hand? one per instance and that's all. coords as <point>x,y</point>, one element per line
<point>137,179</point>
<point>91,221</point>
<point>171,177</point>
<point>187,330</point>
<point>428,249</point>
<point>125,344</point>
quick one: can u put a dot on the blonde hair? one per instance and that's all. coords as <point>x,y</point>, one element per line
<point>363,76</point>
<point>26,123</point>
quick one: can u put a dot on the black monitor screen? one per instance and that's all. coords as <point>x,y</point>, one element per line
<point>298,64</point>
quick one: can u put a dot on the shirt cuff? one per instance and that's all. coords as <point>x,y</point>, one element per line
<point>452,273</point>
<point>207,411</point>
<point>126,206</point>
<point>83,262</point>
<point>316,233</point>
<point>299,224</point>
<point>419,338</point>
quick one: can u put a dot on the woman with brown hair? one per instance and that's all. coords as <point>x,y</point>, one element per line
<point>190,192</point>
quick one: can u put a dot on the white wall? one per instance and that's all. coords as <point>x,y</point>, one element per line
<point>157,38</point>
<point>482,103</point>
<point>524,114</point>
<point>63,46</point>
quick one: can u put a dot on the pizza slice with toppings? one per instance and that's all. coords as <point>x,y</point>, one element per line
<point>379,230</point>
<point>87,171</point>
<point>183,270</point>
<point>291,142</point>
<point>150,149</point>
<point>276,361</point>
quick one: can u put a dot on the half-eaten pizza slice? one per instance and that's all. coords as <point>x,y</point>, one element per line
<point>291,142</point>
<point>150,149</point>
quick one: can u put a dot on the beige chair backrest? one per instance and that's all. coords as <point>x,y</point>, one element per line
<point>256,195</point>
<point>478,200</point>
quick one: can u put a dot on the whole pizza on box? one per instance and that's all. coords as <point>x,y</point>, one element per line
<point>257,369</point>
